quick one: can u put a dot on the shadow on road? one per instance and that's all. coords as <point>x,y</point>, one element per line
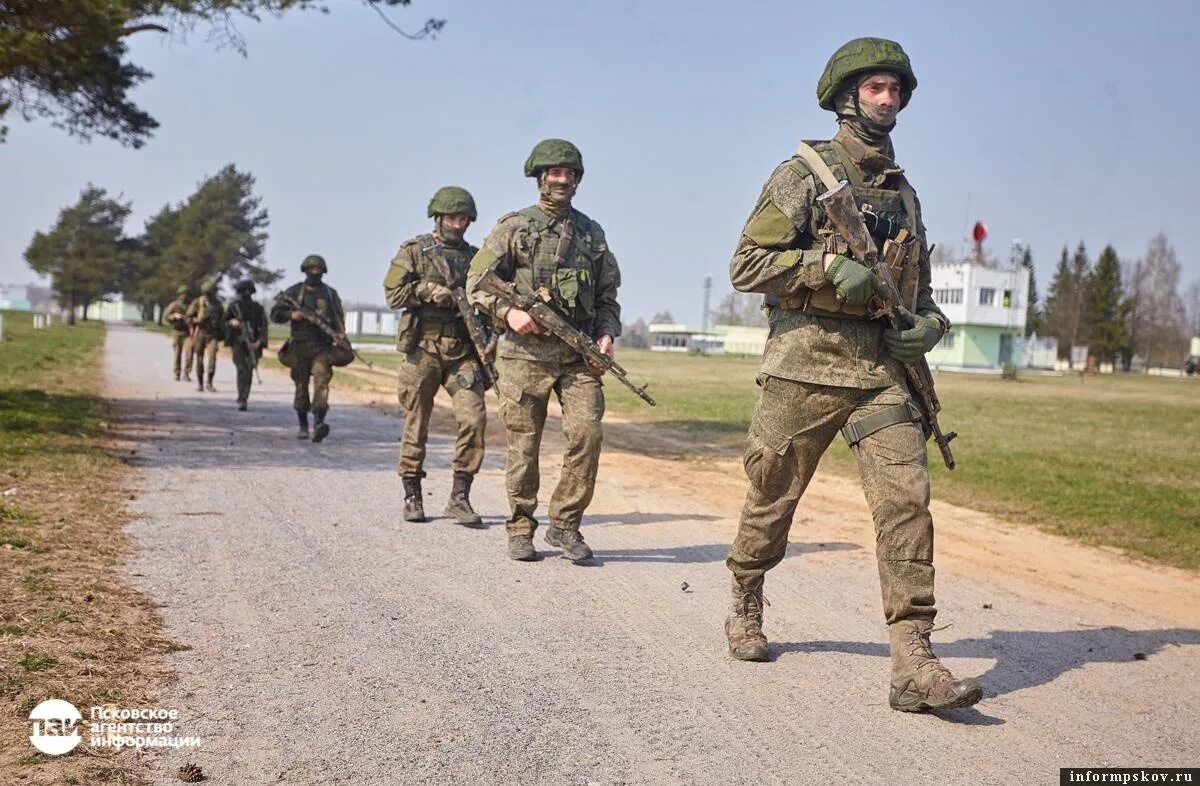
<point>1028,658</point>
<point>714,552</point>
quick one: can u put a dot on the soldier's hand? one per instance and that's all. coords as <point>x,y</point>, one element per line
<point>855,284</point>
<point>520,322</point>
<point>297,316</point>
<point>606,346</point>
<point>910,345</point>
<point>235,323</point>
<point>438,294</point>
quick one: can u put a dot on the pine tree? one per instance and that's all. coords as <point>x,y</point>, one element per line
<point>1106,311</point>
<point>85,252</point>
<point>1056,316</point>
<point>1033,313</point>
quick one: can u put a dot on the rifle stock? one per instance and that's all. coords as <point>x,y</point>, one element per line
<point>323,325</point>
<point>843,212</point>
<point>553,322</point>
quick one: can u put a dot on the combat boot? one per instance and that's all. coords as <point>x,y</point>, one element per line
<point>199,384</point>
<point>210,387</point>
<point>176,376</point>
<point>241,405</point>
<point>919,680</point>
<point>414,505</point>
<point>520,548</point>
<point>570,541</point>
<point>320,427</point>
<point>459,506</point>
<point>187,376</point>
<point>743,626</point>
<point>302,433</point>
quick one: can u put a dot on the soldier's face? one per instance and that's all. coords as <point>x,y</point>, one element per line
<point>456,221</point>
<point>882,90</point>
<point>561,175</point>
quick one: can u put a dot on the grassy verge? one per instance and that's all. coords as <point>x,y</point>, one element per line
<point>1109,460</point>
<point>69,627</point>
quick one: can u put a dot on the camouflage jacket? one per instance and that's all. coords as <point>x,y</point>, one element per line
<point>780,254</point>
<point>207,315</point>
<point>253,319</point>
<point>177,306</point>
<point>415,264</point>
<point>323,300</point>
<point>582,286</point>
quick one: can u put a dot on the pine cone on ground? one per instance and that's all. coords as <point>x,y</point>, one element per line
<point>191,773</point>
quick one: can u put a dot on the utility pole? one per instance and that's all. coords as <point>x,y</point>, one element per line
<point>704,314</point>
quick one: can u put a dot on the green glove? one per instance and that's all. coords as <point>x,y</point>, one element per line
<point>854,283</point>
<point>910,345</point>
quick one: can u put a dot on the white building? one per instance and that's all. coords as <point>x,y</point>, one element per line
<point>986,308</point>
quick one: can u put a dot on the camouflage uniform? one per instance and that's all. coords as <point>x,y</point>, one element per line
<point>827,365</point>
<point>181,343</point>
<point>253,325</point>
<point>310,345</point>
<point>581,282</point>
<point>206,316</point>
<point>437,353</point>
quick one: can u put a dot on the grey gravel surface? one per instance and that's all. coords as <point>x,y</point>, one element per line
<point>332,643</point>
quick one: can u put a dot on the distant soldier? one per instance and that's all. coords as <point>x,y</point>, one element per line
<point>309,347</point>
<point>555,252</point>
<point>246,332</point>
<point>830,367</point>
<point>206,315</point>
<point>175,315</point>
<point>437,351</point>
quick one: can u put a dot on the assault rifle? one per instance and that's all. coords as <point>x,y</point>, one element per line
<point>840,207</point>
<point>485,348</point>
<point>553,322</point>
<point>244,339</point>
<point>339,339</point>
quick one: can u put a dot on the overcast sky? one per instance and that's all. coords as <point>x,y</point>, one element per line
<point>1053,122</point>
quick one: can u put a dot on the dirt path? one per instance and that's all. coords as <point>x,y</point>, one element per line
<point>332,643</point>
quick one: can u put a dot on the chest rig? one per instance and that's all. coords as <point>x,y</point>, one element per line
<point>892,219</point>
<point>432,261</point>
<point>559,257</point>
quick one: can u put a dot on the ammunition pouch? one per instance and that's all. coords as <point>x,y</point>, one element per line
<point>287,354</point>
<point>341,354</point>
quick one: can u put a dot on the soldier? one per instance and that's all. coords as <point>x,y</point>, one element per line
<point>559,254</point>
<point>246,332</point>
<point>309,346</point>
<point>176,316</point>
<point>827,364</point>
<point>206,315</point>
<point>437,351</point>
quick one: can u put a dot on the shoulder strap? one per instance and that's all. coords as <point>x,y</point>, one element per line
<point>910,204</point>
<point>817,165</point>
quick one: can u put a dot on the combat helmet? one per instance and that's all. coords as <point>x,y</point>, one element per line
<point>207,288</point>
<point>314,260</point>
<point>860,56</point>
<point>452,200</point>
<point>553,152</point>
<point>244,285</point>
<point>182,289</point>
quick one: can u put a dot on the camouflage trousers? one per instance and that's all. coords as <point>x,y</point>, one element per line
<point>312,361</point>
<point>244,363</point>
<point>205,346</point>
<point>181,345</point>
<point>441,362</point>
<point>792,426</point>
<point>525,388</point>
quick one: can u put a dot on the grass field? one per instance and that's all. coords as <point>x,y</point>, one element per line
<point>69,626</point>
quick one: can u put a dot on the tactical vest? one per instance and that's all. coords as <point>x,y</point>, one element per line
<point>319,300</point>
<point>428,268</point>
<point>563,277</point>
<point>888,204</point>
<point>210,316</point>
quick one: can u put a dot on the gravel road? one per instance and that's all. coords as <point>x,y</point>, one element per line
<point>332,643</point>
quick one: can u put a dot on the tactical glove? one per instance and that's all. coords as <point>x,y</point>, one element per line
<point>437,294</point>
<point>854,283</point>
<point>910,345</point>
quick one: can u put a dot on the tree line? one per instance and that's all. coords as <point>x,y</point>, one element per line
<point>1119,310</point>
<point>217,233</point>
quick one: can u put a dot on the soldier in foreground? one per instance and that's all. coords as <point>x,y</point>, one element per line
<point>246,333</point>
<point>829,367</point>
<point>206,315</point>
<point>176,317</point>
<point>556,253</point>
<point>309,347</point>
<point>438,352</point>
